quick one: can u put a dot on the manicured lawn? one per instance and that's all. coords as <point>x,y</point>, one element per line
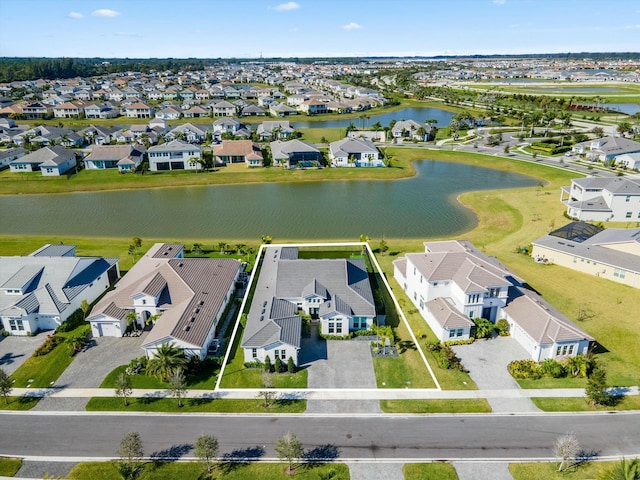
<point>315,135</point>
<point>429,471</point>
<point>97,404</point>
<point>226,471</point>
<point>9,466</point>
<point>548,471</point>
<point>43,370</point>
<point>567,382</point>
<point>18,403</point>
<point>204,379</point>
<point>463,405</point>
<point>631,402</point>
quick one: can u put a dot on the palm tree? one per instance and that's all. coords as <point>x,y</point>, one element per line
<point>623,470</point>
<point>132,319</point>
<point>166,361</point>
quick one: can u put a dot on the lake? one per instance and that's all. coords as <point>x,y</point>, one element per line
<point>421,206</point>
<point>418,114</point>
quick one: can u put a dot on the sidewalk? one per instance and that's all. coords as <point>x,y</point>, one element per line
<point>325,394</point>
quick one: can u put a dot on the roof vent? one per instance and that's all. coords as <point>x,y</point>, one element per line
<point>261,317</point>
<point>196,310</point>
<point>193,319</point>
<point>187,328</point>
<point>201,302</point>
<point>181,264</point>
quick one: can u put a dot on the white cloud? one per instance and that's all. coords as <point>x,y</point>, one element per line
<point>499,2</point>
<point>351,26</point>
<point>105,12</point>
<point>629,27</point>
<point>75,15</point>
<point>285,7</point>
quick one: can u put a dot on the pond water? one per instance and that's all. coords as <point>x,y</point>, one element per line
<point>418,114</point>
<point>421,206</point>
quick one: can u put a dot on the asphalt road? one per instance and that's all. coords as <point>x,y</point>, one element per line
<point>345,437</point>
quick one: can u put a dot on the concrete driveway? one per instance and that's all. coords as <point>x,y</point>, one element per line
<point>15,350</point>
<point>338,364</point>
<point>89,368</point>
<point>487,362</point>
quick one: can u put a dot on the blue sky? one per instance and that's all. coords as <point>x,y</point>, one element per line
<point>247,28</point>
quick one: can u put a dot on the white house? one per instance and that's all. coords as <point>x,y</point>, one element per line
<point>175,155</point>
<point>335,292</point>
<point>51,161</point>
<point>295,153</point>
<point>630,161</point>
<point>354,152</point>
<point>603,199</point>
<point>41,291</point>
<point>452,283</point>
<point>185,298</point>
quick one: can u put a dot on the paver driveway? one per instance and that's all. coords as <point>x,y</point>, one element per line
<point>487,362</point>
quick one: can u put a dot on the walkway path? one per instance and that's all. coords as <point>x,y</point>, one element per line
<point>482,471</point>
<point>368,471</point>
<point>327,394</point>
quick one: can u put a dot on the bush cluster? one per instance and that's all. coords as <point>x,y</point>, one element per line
<point>445,356</point>
<point>279,366</point>
<point>578,366</point>
<point>48,345</point>
<point>74,321</point>
<point>550,148</point>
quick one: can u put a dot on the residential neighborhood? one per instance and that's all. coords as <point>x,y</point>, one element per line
<point>294,239</point>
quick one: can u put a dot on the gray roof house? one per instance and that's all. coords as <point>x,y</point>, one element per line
<point>453,282</point>
<point>295,153</point>
<point>9,155</point>
<point>336,292</point>
<point>606,148</point>
<point>40,291</point>
<point>51,161</point>
<point>189,294</point>
<point>354,152</point>
<point>274,130</point>
<point>174,155</point>
<point>613,253</point>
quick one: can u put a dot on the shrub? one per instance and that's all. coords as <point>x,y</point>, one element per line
<point>256,364</point>
<point>502,326</point>
<point>468,341</point>
<point>445,356</point>
<point>552,368</point>
<point>291,367</point>
<point>337,337</point>
<point>48,345</point>
<point>74,321</point>
<point>267,364</point>
<point>279,367</point>
<point>524,369</point>
<point>364,333</point>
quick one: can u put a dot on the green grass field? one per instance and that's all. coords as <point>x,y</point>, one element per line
<point>226,471</point>
<point>582,405</point>
<point>549,471</point>
<point>98,404</point>
<point>464,405</point>
<point>9,466</point>
<point>429,471</point>
<point>18,403</point>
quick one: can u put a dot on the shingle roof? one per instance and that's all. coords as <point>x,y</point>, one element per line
<point>446,315</point>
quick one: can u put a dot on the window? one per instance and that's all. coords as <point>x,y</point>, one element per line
<point>452,333</point>
<point>435,284</point>
<point>619,273</point>
<point>144,301</point>
<point>471,314</point>
<point>459,332</point>
<point>564,350</point>
<point>570,350</point>
<point>276,354</point>
<point>558,350</point>
<point>415,295</point>
<point>283,354</point>
<point>421,303</point>
<point>628,199</point>
<point>332,327</point>
<point>338,327</point>
<point>254,353</point>
<point>628,215</point>
<point>493,292</point>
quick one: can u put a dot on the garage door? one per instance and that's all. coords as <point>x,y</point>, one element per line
<point>108,330</point>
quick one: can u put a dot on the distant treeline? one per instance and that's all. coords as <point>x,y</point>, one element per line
<point>32,68</point>
<point>598,56</point>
